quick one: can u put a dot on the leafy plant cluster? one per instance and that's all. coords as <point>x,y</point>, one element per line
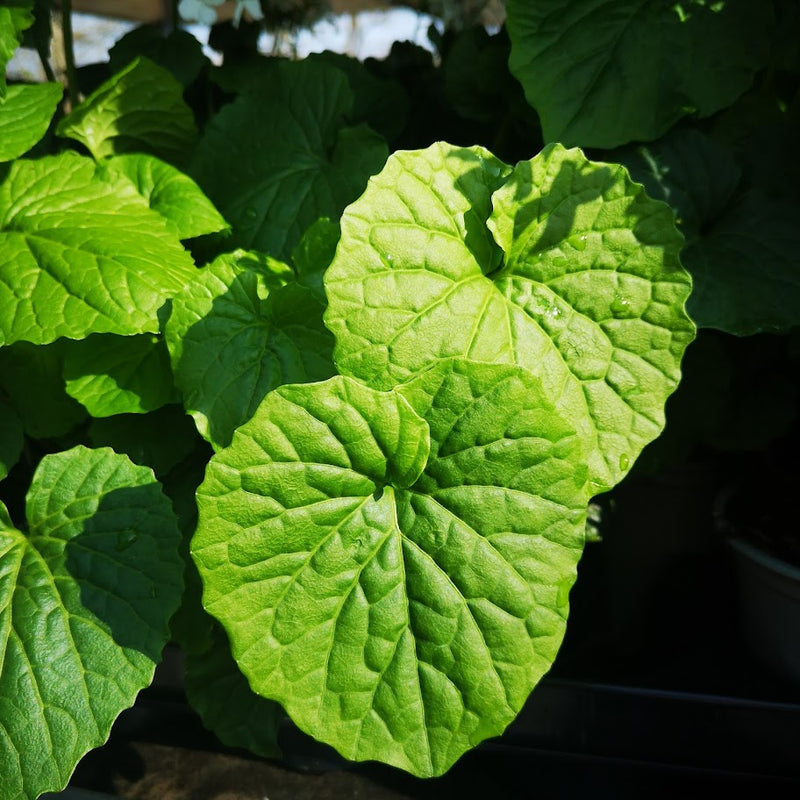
<point>314,367</point>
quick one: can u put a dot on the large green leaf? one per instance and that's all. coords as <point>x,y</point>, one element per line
<point>278,157</point>
<point>110,374</point>
<point>605,72</point>
<point>234,335</point>
<point>169,192</point>
<point>14,18</point>
<point>587,291</point>
<point>140,109</point>
<point>25,114</point>
<point>398,584</point>
<point>81,255</point>
<point>85,597</point>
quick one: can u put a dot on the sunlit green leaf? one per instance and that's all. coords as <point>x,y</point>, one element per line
<point>583,286</point>
<point>140,109</point>
<point>25,114</point>
<point>81,254</point>
<point>170,193</point>
<point>397,581</point>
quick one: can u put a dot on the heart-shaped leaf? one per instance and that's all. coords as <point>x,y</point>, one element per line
<point>563,266</point>
<point>86,593</point>
<point>397,581</point>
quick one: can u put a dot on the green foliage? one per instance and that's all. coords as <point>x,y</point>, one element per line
<point>225,702</point>
<point>279,156</point>
<point>11,438</point>
<point>110,374</point>
<point>236,333</point>
<point>380,345</point>
<point>562,265</point>
<point>14,19</point>
<point>25,114</point>
<point>140,109</point>
<point>401,577</point>
<point>170,193</point>
<point>82,253</point>
<point>88,587</point>
<point>603,72</point>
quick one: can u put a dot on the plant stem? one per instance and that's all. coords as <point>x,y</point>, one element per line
<point>44,57</point>
<point>69,52</point>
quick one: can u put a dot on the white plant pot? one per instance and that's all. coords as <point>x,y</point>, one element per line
<point>770,607</point>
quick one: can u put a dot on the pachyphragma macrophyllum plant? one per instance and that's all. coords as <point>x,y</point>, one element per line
<point>361,418</point>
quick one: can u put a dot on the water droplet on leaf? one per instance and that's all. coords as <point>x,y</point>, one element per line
<point>578,242</point>
<point>624,461</point>
<point>621,306</point>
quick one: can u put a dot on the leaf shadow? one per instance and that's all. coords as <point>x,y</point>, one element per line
<point>125,561</point>
<point>244,346</point>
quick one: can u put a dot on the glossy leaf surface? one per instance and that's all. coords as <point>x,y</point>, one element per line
<point>583,286</point>
<point>397,580</point>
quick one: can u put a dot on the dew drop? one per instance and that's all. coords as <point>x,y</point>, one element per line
<point>624,461</point>
<point>578,242</point>
<point>621,306</point>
